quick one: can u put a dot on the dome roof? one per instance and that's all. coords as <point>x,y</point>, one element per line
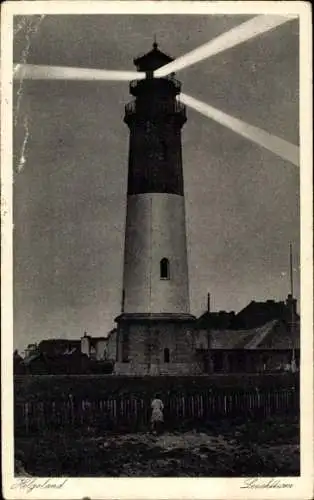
<point>153,60</point>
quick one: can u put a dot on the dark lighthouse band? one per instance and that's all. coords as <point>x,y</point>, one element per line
<point>155,119</point>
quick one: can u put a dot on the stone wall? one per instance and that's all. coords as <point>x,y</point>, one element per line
<point>142,369</point>
<point>157,347</point>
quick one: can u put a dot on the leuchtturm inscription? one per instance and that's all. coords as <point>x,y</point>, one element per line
<point>156,240</point>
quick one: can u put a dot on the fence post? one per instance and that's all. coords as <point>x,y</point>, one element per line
<point>183,406</point>
<point>26,417</point>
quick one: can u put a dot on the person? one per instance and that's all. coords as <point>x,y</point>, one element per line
<point>157,417</point>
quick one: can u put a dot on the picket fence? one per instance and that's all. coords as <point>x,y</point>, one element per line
<point>133,413</point>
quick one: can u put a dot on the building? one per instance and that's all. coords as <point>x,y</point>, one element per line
<point>155,330</point>
<point>58,347</point>
<point>93,347</point>
<point>44,363</point>
<point>253,315</point>
<point>111,345</point>
<point>264,336</point>
<point>17,362</point>
<point>259,313</point>
<point>268,348</point>
<point>30,349</point>
<point>67,356</point>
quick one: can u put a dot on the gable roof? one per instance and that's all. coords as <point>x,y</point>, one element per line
<point>260,335</point>
<point>230,339</point>
<point>275,334</point>
<point>281,337</point>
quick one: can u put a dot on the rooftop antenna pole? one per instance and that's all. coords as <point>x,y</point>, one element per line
<point>292,305</point>
<point>208,302</point>
<point>291,272</point>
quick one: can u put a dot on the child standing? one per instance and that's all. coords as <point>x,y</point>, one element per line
<point>157,417</point>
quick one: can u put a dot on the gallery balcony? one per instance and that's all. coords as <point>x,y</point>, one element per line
<point>135,111</point>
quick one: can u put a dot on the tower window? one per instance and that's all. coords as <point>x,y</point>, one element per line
<point>166,355</point>
<point>164,269</point>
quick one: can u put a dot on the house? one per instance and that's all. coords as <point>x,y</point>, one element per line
<point>270,347</point>
<point>43,363</point>
<point>17,362</point>
<point>264,336</point>
<point>65,356</point>
<point>111,345</point>
<point>93,347</point>
<point>259,313</point>
<point>59,347</point>
<point>30,349</point>
<point>253,315</point>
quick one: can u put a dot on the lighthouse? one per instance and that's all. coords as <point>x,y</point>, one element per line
<point>155,327</point>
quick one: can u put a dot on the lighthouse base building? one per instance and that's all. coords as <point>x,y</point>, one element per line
<point>156,345</point>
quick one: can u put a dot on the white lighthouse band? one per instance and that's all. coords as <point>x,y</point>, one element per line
<point>155,263</point>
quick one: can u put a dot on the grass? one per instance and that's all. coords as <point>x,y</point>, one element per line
<point>222,449</point>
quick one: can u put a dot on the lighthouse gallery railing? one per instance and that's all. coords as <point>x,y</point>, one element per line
<point>154,109</point>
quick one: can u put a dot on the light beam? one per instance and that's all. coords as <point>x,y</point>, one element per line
<point>235,36</point>
<point>276,145</point>
<point>38,72</point>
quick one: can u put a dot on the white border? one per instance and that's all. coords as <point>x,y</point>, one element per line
<point>155,488</point>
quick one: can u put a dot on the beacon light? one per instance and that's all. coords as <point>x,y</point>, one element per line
<point>276,145</point>
<point>239,34</point>
<point>38,72</point>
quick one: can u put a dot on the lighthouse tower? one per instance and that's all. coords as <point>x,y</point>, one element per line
<point>155,328</point>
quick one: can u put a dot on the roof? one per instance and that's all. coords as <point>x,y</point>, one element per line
<point>53,345</point>
<point>254,315</point>
<point>259,313</point>
<point>275,334</point>
<point>29,359</point>
<point>94,340</point>
<point>282,337</point>
<point>217,320</point>
<point>152,60</point>
<point>230,339</point>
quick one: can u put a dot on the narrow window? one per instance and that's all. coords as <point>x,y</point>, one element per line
<point>166,355</point>
<point>164,269</point>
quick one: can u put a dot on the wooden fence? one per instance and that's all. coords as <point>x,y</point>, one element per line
<point>133,412</point>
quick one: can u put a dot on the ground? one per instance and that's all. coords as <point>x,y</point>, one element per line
<point>225,449</point>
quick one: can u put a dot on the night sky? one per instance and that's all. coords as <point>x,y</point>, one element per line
<point>242,201</point>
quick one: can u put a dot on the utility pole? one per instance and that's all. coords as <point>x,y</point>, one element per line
<point>293,363</point>
<point>291,271</point>
<point>208,302</point>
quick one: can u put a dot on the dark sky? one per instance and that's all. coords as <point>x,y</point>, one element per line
<point>242,201</point>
